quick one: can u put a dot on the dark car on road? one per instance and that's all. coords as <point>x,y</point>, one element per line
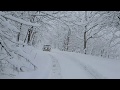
<point>47,48</point>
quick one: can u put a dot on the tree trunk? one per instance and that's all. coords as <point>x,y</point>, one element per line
<point>29,35</point>
<point>85,37</point>
<point>33,38</point>
<point>85,42</point>
<point>102,53</point>
<point>26,37</point>
<point>18,37</point>
<point>68,40</point>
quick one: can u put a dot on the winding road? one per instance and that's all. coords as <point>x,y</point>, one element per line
<point>65,66</point>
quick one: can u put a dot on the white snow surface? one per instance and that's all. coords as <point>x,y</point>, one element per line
<point>68,65</point>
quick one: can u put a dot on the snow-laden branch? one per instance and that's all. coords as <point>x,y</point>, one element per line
<point>19,20</point>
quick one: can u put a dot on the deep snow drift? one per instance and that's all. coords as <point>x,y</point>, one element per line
<point>68,65</point>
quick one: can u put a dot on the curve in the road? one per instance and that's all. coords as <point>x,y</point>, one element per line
<point>92,72</point>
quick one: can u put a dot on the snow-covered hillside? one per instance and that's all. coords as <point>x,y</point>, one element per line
<point>68,65</point>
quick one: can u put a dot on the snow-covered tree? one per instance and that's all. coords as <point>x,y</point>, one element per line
<point>12,55</point>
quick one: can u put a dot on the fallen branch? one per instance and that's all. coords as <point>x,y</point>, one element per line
<point>26,60</point>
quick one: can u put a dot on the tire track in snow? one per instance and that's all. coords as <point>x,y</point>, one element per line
<point>56,69</point>
<point>92,72</point>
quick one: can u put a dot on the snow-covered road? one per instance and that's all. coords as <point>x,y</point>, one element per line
<point>56,69</point>
<point>67,65</point>
<point>80,66</point>
<point>69,68</point>
<point>74,68</point>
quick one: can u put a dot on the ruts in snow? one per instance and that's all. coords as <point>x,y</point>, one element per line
<point>92,72</point>
<point>56,70</point>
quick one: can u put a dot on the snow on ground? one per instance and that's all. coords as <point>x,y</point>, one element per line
<point>42,62</point>
<point>68,65</point>
<point>96,66</point>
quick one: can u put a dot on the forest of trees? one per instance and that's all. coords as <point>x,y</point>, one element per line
<point>89,32</point>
